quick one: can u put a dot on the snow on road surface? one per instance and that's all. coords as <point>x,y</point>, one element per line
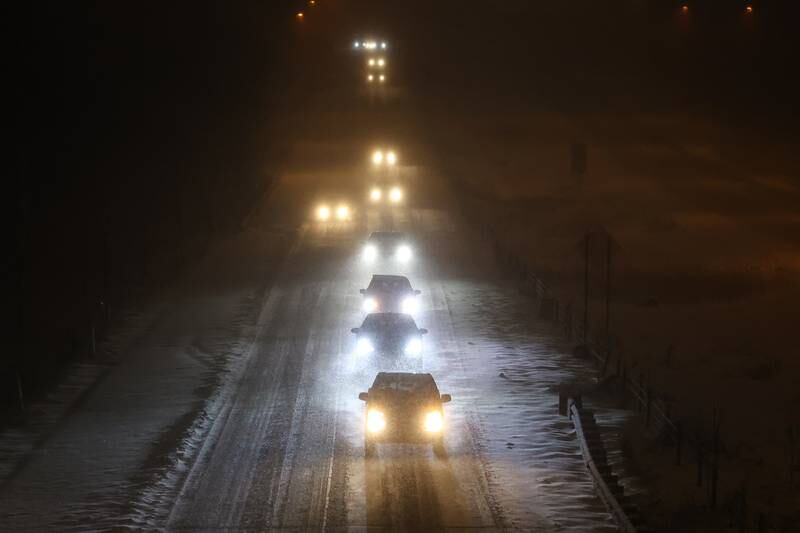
<point>240,409</point>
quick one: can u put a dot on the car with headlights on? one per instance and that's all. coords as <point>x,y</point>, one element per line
<point>333,211</point>
<point>404,407</point>
<point>392,245</point>
<point>390,293</point>
<point>386,193</point>
<point>392,339</point>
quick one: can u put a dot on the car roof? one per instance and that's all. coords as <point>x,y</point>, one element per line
<point>382,320</point>
<point>390,281</point>
<point>404,382</point>
<point>388,277</point>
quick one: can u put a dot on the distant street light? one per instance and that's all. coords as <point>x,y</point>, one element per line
<point>300,15</point>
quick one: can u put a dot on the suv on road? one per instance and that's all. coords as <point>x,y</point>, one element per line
<point>390,293</point>
<point>404,407</point>
<point>383,245</point>
<point>394,336</point>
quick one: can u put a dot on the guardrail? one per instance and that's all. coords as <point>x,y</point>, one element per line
<point>609,490</point>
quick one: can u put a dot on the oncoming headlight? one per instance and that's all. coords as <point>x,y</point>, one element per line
<point>375,194</point>
<point>376,421</point>
<point>323,212</point>
<point>364,346</point>
<point>434,422</point>
<point>370,252</point>
<point>396,194</point>
<point>370,305</point>
<point>403,253</point>
<point>413,347</point>
<point>409,305</point>
<point>342,212</point>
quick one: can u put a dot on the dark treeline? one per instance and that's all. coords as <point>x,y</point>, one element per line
<point>138,129</point>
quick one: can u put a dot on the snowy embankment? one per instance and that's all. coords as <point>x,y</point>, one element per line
<point>117,444</point>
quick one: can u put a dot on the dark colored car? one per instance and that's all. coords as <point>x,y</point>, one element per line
<point>390,293</point>
<point>404,407</point>
<point>391,335</point>
<point>388,245</point>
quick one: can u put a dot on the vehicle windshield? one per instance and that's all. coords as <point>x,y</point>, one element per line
<point>386,239</point>
<point>389,284</point>
<point>400,386</point>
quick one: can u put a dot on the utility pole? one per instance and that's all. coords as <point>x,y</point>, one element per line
<point>608,297</point>
<point>586,290</point>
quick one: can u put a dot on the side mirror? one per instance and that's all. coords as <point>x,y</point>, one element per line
<point>354,330</point>
<point>363,396</point>
<point>444,398</point>
<point>362,291</point>
<point>423,331</point>
<point>417,292</point>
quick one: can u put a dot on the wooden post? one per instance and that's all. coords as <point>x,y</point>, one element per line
<point>678,442</point>
<point>649,393</point>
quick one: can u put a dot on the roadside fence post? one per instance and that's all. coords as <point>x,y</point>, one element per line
<point>699,462</point>
<point>641,392</point>
<point>743,510</point>
<point>716,421</point>
<point>20,393</point>
<point>93,339</point>
<point>563,397</point>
